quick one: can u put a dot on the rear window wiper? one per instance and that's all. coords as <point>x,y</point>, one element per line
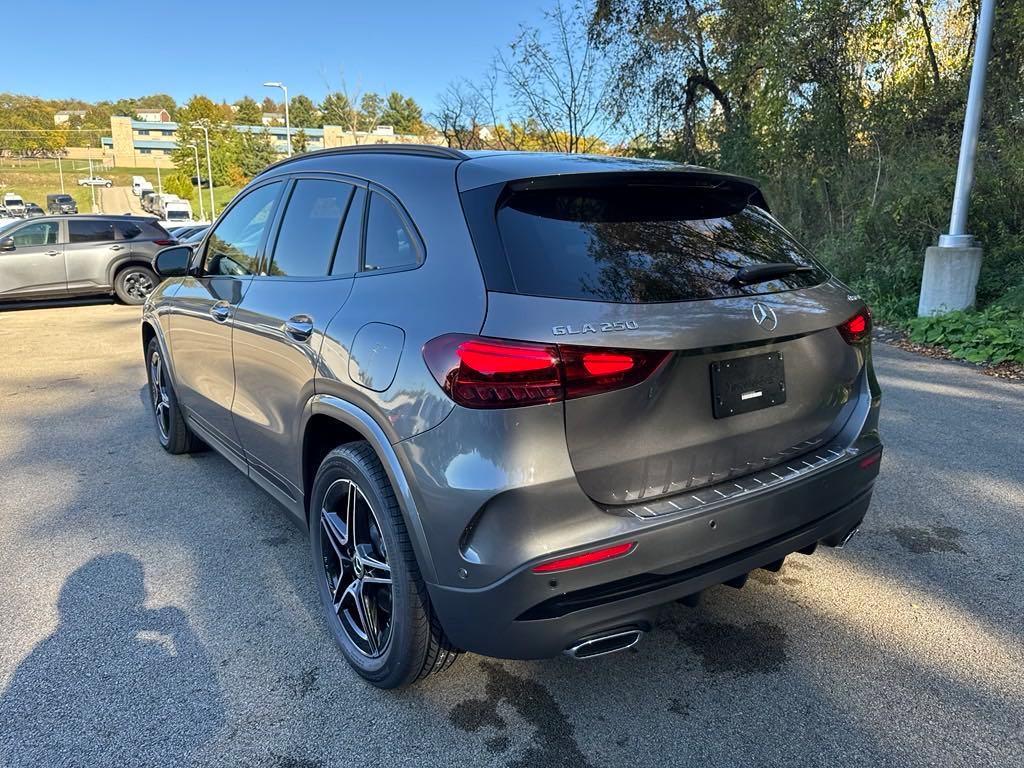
<point>762,273</point>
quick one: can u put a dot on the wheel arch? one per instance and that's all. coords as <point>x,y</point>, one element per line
<point>330,422</point>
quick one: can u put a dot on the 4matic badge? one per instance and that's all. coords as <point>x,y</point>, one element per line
<point>573,330</point>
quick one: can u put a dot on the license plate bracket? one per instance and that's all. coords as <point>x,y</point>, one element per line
<point>745,384</point>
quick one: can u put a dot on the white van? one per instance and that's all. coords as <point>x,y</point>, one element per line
<point>14,205</point>
<point>137,182</point>
<point>176,212</point>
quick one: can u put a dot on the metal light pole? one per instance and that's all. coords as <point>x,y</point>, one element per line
<point>159,180</point>
<point>209,173</point>
<point>951,269</point>
<point>972,120</point>
<point>287,119</point>
<point>60,170</point>
<point>199,181</point>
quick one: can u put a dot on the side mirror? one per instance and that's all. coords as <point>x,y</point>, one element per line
<point>7,244</point>
<point>173,261</point>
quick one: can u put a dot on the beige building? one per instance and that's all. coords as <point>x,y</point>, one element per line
<point>148,143</point>
<point>153,115</point>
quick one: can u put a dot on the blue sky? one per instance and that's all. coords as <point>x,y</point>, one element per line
<point>141,47</point>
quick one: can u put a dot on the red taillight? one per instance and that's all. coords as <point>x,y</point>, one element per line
<point>587,558</point>
<point>857,328</point>
<point>494,373</point>
<point>165,242</point>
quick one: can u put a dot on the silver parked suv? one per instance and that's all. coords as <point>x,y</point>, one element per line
<point>55,257</point>
<point>519,401</point>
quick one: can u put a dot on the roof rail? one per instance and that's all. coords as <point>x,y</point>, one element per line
<point>418,150</point>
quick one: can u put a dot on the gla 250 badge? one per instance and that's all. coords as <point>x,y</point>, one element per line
<point>573,330</point>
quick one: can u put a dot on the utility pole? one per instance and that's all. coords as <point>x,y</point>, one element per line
<point>60,170</point>
<point>209,172</point>
<point>951,268</point>
<point>199,182</point>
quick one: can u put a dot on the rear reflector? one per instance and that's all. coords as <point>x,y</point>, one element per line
<point>870,461</point>
<point>479,372</point>
<point>165,242</point>
<point>587,558</point>
<point>857,328</point>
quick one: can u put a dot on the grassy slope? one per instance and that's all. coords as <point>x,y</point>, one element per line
<point>35,180</point>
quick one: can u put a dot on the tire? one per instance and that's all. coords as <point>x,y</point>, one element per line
<point>134,282</point>
<point>108,185</point>
<point>171,429</point>
<point>412,645</point>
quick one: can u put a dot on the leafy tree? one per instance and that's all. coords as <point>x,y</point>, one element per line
<point>300,141</point>
<point>302,113</point>
<point>371,107</point>
<point>255,152</point>
<point>269,105</point>
<point>404,114</point>
<point>338,110</point>
<point>248,112</point>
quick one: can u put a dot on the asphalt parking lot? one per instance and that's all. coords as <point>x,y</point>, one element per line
<point>159,610</point>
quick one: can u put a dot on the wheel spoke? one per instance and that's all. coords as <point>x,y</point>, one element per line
<point>335,535</point>
<point>368,618</point>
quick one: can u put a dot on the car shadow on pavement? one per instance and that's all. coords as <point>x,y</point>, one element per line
<point>116,683</point>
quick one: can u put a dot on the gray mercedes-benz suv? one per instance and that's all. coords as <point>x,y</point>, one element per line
<point>519,401</point>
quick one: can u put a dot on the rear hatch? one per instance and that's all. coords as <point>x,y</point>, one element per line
<point>748,372</point>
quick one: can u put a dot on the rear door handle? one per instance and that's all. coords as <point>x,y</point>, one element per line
<point>221,311</point>
<point>53,253</point>
<point>116,247</point>
<point>299,327</point>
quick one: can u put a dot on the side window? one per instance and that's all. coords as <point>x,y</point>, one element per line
<point>346,258</point>
<point>43,233</point>
<point>309,229</point>
<point>127,230</point>
<point>388,242</point>
<point>232,247</point>
<point>90,230</point>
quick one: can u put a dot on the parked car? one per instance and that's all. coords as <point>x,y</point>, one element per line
<point>13,204</point>
<point>146,199</point>
<point>95,181</point>
<point>175,211</point>
<point>181,233</point>
<point>32,211</point>
<point>195,235</point>
<point>61,203</point>
<point>519,401</point>
<point>137,184</point>
<point>61,256</point>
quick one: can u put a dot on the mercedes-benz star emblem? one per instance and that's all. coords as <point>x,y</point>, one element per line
<point>764,316</point>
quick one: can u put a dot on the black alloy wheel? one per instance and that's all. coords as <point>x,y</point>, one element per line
<point>356,566</point>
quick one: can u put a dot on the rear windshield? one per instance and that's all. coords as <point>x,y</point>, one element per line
<point>177,216</point>
<point>643,244</point>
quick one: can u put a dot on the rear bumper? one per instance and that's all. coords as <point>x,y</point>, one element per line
<point>528,615</point>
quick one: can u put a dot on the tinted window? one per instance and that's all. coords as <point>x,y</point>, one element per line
<point>127,230</point>
<point>90,230</point>
<point>43,233</point>
<point>388,242</point>
<point>638,244</point>
<point>310,228</point>
<point>232,247</point>
<point>346,258</point>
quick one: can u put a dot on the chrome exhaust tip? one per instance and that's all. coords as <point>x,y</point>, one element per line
<point>846,539</point>
<point>604,644</point>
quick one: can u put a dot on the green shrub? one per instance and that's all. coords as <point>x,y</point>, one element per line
<point>179,184</point>
<point>993,335</point>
